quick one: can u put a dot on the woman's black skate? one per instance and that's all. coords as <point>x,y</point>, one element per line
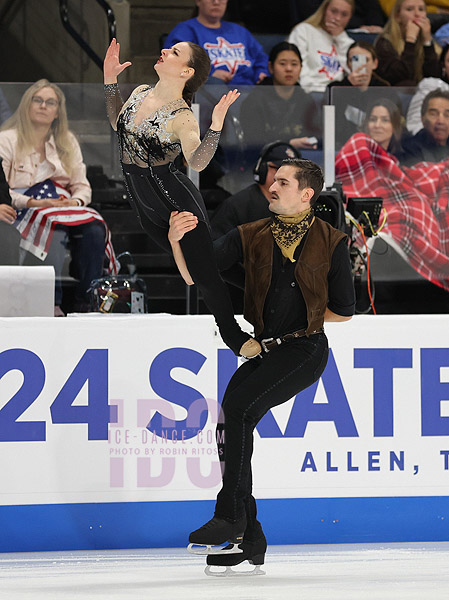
<point>215,532</point>
<point>253,552</point>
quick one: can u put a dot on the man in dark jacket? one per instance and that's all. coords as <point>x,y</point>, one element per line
<point>431,142</point>
<point>297,276</point>
<point>251,203</point>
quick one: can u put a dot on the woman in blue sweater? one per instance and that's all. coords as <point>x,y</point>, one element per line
<point>236,57</point>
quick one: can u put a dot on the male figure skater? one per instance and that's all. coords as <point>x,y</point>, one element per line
<point>297,275</point>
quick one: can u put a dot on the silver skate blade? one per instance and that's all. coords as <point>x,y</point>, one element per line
<point>205,549</point>
<point>229,572</point>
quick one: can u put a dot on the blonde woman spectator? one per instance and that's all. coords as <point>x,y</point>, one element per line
<point>323,44</point>
<point>37,148</point>
<point>405,49</point>
<point>432,6</point>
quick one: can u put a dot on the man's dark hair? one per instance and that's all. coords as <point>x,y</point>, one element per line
<point>308,174</point>
<point>430,96</point>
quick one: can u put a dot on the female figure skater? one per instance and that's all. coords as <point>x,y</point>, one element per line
<point>154,125</point>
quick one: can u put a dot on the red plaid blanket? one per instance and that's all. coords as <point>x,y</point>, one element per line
<point>416,200</point>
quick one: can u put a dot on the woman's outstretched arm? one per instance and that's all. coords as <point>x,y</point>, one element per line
<point>199,153</point>
<point>111,70</point>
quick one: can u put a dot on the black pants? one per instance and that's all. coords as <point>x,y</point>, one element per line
<point>258,385</point>
<point>157,191</point>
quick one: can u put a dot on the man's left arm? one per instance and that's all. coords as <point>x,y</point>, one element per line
<point>330,317</point>
<point>341,295</point>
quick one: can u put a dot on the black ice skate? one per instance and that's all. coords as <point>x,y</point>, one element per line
<point>215,532</point>
<point>253,552</point>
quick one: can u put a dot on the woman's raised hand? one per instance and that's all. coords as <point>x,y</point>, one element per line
<point>111,66</point>
<point>424,25</point>
<point>221,108</point>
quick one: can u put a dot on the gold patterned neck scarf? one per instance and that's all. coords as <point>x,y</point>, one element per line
<point>289,231</point>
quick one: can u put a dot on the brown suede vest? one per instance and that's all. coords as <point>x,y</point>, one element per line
<point>311,269</point>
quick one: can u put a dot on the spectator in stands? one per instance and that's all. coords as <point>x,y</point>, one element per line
<point>279,109</point>
<point>38,148</point>
<point>384,124</point>
<point>251,203</point>
<point>236,57</point>
<point>431,142</point>
<point>351,106</point>
<point>412,196</point>
<point>405,50</point>
<point>426,85</point>
<point>9,236</point>
<point>437,11</point>
<point>368,15</point>
<point>323,44</point>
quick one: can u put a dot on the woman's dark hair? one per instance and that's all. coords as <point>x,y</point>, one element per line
<point>281,47</point>
<point>365,45</point>
<point>200,62</point>
<point>396,118</point>
<point>444,75</point>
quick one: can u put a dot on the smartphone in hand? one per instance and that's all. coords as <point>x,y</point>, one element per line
<point>357,61</point>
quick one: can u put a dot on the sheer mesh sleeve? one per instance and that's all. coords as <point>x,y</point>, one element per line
<point>114,102</point>
<point>197,153</point>
<point>202,156</point>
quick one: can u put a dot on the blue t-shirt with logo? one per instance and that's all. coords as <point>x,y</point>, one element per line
<point>230,47</point>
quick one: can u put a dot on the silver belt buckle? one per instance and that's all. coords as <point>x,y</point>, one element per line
<point>264,341</point>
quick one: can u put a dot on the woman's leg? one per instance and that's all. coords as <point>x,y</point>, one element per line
<point>140,190</point>
<point>155,193</point>
<point>199,255</point>
<point>87,248</point>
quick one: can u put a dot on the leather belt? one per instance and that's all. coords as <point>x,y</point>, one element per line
<point>270,343</point>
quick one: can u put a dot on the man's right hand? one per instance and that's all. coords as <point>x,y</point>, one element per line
<point>7,214</point>
<point>180,223</point>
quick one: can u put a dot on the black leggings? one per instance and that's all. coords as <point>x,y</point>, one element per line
<point>157,191</point>
<point>258,385</point>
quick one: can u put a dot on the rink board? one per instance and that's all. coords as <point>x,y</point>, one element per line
<point>107,434</point>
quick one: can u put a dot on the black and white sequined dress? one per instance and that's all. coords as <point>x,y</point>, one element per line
<point>147,152</point>
<point>156,188</point>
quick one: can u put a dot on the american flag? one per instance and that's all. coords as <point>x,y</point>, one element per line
<point>37,225</point>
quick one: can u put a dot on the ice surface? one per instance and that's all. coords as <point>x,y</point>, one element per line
<point>333,572</point>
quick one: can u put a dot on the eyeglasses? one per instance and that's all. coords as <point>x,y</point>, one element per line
<point>51,102</point>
